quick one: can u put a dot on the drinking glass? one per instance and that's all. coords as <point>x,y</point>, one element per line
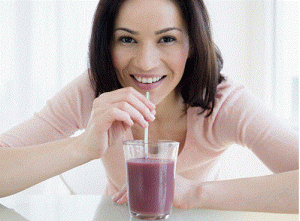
<point>150,177</point>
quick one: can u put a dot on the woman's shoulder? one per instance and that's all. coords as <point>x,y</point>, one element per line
<point>80,83</point>
<point>73,102</point>
<point>228,91</point>
<point>232,101</point>
<point>229,86</point>
<point>78,91</point>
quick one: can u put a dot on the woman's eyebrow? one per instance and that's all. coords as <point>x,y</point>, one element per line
<point>157,32</point>
<point>127,30</point>
<point>167,29</point>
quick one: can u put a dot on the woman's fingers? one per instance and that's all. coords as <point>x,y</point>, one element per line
<point>129,96</point>
<point>124,112</point>
<point>187,193</point>
<point>121,196</point>
<point>103,119</point>
<point>139,102</point>
<point>120,115</point>
<point>126,106</point>
<point>123,199</point>
<point>135,115</point>
<point>141,97</point>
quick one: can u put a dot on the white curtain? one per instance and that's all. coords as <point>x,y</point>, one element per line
<point>44,45</point>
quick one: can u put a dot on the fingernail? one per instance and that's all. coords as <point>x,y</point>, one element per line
<point>153,112</point>
<point>152,117</point>
<point>114,197</point>
<point>121,201</point>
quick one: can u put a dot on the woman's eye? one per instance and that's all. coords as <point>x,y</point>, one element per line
<point>168,39</point>
<point>126,40</point>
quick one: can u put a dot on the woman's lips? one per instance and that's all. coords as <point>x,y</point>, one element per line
<point>147,86</point>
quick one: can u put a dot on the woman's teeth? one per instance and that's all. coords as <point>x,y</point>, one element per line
<point>147,80</point>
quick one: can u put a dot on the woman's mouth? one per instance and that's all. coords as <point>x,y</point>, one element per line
<point>147,83</point>
<point>147,80</point>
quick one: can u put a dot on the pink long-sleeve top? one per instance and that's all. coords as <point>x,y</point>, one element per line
<point>238,118</point>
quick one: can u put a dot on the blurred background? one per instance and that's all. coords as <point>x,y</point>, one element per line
<point>44,46</point>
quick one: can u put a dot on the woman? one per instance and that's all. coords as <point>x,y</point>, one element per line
<point>164,47</point>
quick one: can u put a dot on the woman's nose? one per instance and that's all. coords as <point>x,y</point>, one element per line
<point>147,57</point>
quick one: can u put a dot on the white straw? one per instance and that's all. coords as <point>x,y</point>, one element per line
<point>146,134</point>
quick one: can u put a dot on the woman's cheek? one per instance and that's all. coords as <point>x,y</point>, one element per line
<point>115,59</point>
<point>180,62</point>
<point>121,58</point>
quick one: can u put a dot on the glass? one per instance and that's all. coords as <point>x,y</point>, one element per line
<point>151,179</point>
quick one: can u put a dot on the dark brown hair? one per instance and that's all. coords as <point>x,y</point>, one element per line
<point>201,77</point>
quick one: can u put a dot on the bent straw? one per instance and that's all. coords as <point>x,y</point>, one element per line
<point>146,134</point>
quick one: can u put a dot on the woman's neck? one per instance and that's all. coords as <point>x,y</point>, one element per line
<point>170,109</point>
<point>170,122</point>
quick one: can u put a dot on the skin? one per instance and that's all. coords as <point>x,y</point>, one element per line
<point>149,49</point>
<point>152,42</point>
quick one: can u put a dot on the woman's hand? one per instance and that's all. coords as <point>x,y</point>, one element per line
<point>119,109</point>
<point>121,197</point>
<point>187,193</point>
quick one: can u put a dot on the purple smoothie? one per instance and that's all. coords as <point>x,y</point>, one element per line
<point>151,185</point>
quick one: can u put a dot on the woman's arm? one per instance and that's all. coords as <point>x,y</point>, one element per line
<point>276,193</point>
<point>30,152</point>
<point>250,124</point>
<point>23,167</point>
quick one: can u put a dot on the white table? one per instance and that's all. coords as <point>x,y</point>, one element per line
<point>96,207</point>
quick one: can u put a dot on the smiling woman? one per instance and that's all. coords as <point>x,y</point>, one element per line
<point>191,102</point>
<point>172,45</point>
<point>143,49</point>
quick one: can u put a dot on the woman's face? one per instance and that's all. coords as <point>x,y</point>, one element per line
<point>150,46</point>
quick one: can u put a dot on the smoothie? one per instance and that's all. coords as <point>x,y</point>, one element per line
<point>150,185</point>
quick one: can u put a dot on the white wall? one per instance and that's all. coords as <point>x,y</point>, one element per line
<point>260,46</point>
<point>239,29</point>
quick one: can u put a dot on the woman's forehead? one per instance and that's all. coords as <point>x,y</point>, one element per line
<point>135,13</point>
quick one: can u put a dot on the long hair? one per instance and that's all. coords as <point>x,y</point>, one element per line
<point>201,77</point>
